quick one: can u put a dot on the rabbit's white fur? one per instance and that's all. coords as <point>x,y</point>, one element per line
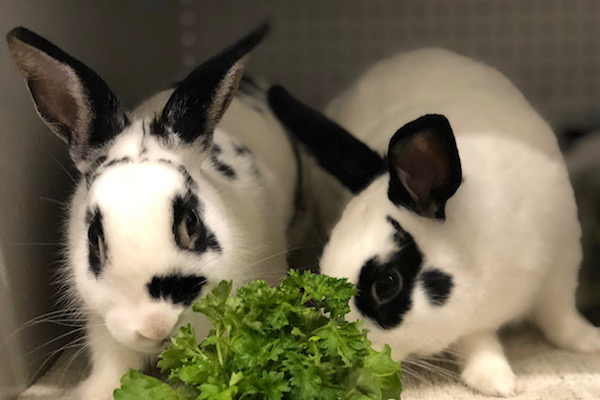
<point>511,238</point>
<point>248,215</point>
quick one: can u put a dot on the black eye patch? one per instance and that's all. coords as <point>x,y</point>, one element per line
<point>403,266</point>
<point>189,230</point>
<point>438,286</point>
<point>179,288</point>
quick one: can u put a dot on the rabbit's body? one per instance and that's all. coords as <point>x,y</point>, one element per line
<point>503,247</point>
<point>173,198</point>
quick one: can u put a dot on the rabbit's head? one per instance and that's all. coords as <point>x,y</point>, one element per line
<point>149,229</point>
<point>394,238</point>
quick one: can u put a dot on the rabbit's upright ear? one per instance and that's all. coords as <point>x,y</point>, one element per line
<point>349,160</point>
<point>199,102</point>
<point>424,165</point>
<point>72,99</point>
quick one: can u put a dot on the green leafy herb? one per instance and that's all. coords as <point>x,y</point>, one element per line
<point>290,342</point>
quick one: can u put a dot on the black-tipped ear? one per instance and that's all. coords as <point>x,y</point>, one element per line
<point>352,162</point>
<point>424,166</point>
<point>198,104</point>
<point>72,99</point>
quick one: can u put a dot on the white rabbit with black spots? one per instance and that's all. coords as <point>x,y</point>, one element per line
<point>459,218</point>
<point>173,198</point>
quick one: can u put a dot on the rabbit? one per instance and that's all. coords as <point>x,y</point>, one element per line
<point>173,197</point>
<point>456,216</point>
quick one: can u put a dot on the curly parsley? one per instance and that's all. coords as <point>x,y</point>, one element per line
<point>290,342</point>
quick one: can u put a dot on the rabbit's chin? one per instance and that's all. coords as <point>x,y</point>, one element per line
<point>139,344</point>
<point>408,344</point>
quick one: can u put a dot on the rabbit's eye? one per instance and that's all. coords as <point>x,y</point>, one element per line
<point>96,240</point>
<point>387,286</point>
<point>97,246</point>
<point>93,235</point>
<point>191,222</point>
<point>190,230</point>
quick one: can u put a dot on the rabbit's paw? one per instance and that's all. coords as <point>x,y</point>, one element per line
<point>491,376</point>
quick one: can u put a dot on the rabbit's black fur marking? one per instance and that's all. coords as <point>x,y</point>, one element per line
<point>300,204</point>
<point>352,162</point>
<point>438,286</point>
<point>176,287</point>
<point>399,234</point>
<point>223,168</point>
<point>124,160</point>
<point>407,262</point>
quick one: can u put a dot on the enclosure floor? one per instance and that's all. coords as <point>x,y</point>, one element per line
<point>543,373</point>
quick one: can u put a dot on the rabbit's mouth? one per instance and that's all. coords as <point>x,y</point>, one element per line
<point>151,348</point>
<point>148,345</point>
<point>164,344</point>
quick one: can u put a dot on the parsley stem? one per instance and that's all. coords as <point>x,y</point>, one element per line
<point>219,353</point>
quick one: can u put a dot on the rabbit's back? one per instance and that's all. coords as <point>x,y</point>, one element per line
<point>259,131</point>
<point>474,97</point>
<point>477,99</point>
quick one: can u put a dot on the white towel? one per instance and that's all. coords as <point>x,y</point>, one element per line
<point>543,373</point>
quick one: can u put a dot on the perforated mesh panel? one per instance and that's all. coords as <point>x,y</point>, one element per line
<point>549,48</point>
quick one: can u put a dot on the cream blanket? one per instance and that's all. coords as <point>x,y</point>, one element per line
<point>543,373</point>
